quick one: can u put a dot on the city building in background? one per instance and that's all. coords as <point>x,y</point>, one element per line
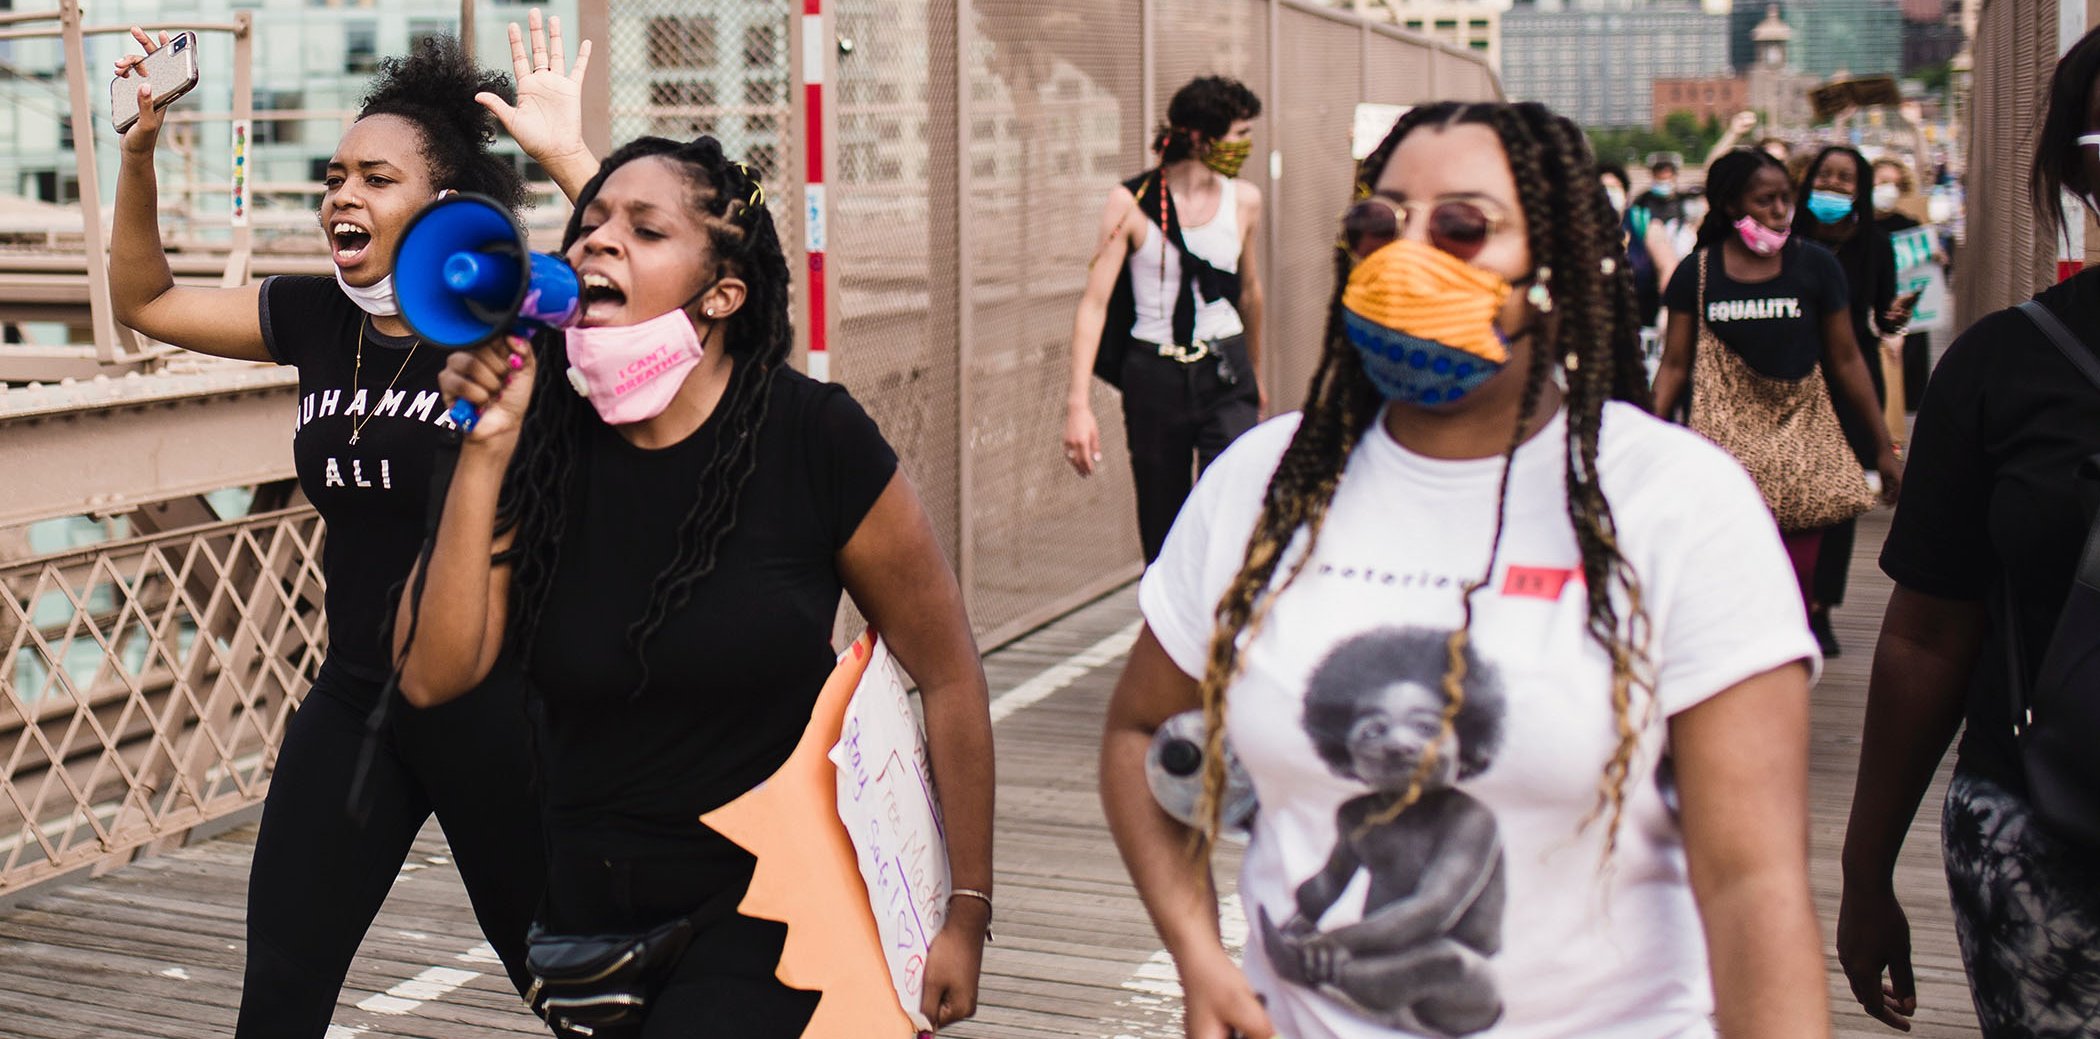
<point>721,69</point>
<point>1774,88</point>
<point>1475,25</point>
<point>1932,33</point>
<point>1596,60</point>
<point>314,61</point>
<point>1714,97</point>
<point>1857,37</point>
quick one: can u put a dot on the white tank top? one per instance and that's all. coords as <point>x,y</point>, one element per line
<point>1217,242</point>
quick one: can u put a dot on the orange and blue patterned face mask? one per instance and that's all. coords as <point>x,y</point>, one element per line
<point>1423,323</point>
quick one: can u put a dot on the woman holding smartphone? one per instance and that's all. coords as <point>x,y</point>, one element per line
<point>368,425</point>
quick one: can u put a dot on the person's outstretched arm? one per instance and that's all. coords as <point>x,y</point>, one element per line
<point>1915,702</point>
<point>1743,123</point>
<point>1172,875</point>
<point>1742,773</point>
<point>1082,433</point>
<point>219,321</point>
<point>1846,371</point>
<point>458,629</point>
<point>1253,304</point>
<point>1674,375</point>
<point>893,568</point>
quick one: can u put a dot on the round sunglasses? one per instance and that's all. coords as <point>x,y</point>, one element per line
<point>1456,226</point>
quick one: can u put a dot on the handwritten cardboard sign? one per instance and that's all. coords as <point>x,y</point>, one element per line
<point>887,801</point>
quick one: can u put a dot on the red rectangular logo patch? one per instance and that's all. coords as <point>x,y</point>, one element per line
<point>1537,582</point>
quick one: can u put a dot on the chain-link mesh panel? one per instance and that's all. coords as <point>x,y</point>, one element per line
<point>682,68</point>
<point>2005,258</point>
<point>1055,119</point>
<point>892,239</point>
<point>1318,113</point>
<point>1404,73</point>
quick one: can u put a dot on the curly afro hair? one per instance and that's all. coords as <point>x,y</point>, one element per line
<point>1369,662</point>
<point>434,88</point>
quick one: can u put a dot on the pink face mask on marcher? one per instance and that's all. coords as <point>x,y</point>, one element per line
<point>1760,239</point>
<point>631,372</point>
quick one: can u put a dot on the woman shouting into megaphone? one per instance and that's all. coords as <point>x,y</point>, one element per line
<point>369,423</point>
<point>657,515</point>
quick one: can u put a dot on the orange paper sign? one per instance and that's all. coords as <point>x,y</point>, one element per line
<point>808,876</point>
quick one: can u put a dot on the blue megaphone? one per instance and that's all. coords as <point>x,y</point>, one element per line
<point>463,275</point>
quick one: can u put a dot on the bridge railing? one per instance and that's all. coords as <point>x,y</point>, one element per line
<point>147,684</point>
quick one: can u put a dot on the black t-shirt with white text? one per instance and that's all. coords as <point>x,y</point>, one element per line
<point>1993,491</point>
<point>628,768</point>
<point>374,494</point>
<point>1775,325</point>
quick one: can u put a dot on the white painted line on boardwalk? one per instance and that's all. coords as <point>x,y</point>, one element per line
<point>483,953</point>
<point>435,983</point>
<point>340,1032</point>
<point>1057,676</point>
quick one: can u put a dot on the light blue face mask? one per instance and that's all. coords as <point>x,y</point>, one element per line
<point>1829,207</point>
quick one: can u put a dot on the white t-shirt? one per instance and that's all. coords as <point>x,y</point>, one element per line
<point>1493,915</point>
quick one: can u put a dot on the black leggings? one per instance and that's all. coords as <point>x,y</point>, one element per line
<point>725,983</point>
<point>318,878</point>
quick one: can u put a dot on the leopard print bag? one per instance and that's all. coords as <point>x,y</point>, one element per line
<point>1785,432</point>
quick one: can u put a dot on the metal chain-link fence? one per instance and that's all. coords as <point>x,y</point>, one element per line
<point>2006,258</point>
<point>681,68</point>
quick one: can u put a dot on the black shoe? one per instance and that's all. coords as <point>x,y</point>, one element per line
<point>1819,623</point>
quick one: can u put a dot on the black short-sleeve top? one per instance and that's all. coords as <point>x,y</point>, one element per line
<point>1993,491</point>
<point>374,494</point>
<point>733,671</point>
<point>1775,325</point>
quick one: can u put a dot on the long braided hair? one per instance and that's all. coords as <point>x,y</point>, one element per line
<point>535,501</point>
<point>1593,333</point>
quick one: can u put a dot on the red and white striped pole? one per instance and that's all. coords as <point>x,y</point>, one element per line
<point>814,210</point>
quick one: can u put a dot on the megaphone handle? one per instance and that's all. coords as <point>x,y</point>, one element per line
<point>464,415</point>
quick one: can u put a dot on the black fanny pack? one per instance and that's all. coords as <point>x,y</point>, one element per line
<point>595,985</point>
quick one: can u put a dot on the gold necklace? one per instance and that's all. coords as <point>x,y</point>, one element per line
<point>357,426</point>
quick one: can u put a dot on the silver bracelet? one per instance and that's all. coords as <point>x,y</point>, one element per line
<point>966,892</point>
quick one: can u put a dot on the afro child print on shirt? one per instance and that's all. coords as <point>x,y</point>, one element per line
<point>1417,960</point>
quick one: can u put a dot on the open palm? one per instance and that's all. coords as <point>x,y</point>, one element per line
<point>547,119</point>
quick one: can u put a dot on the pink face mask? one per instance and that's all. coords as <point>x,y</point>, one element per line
<point>1760,239</point>
<point>631,372</point>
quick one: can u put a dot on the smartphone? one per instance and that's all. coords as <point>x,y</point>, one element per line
<point>171,69</point>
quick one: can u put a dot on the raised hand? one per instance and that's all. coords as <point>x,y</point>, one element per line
<point>145,133</point>
<point>547,121</point>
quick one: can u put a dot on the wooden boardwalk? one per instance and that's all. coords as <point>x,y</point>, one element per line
<point>155,949</point>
